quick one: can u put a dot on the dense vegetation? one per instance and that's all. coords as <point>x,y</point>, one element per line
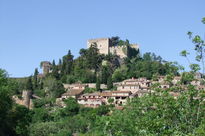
<point>154,114</point>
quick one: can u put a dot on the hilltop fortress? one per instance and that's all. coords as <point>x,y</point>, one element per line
<point>106,46</point>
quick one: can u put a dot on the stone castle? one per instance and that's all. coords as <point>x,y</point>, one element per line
<point>105,46</point>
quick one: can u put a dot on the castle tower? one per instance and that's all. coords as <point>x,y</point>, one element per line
<point>26,97</point>
<point>46,65</point>
<point>105,47</point>
<point>103,44</point>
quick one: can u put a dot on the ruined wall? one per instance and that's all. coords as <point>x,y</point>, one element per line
<point>25,100</point>
<point>103,44</point>
<point>121,51</point>
<point>26,96</point>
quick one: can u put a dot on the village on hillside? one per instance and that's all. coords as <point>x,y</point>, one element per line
<point>121,93</point>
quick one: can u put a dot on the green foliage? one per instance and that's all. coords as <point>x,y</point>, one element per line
<point>44,102</point>
<point>184,53</point>
<point>35,78</point>
<point>194,67</point>
<point>98,83</point>
<point>72,107</point>
<point>40,93</point>
<point>110,100</point>
<point>203,20</point>
<point>48,129</point>
<point>120,74</point>
<point>106,71</point>
<point>199,49</point>
<point>53,87</point>
<point>67,65</point>
<point>29,84</point>
<point>187,78</point>
<point>14,119</point>
<point>41,115</point>
<point>90,90</point>
<point>109,83</point>
<point>157,114</point>
<point>21,118</point>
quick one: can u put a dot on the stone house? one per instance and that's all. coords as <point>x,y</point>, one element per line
<point>119,97</point>
<point>91,100</point>
<point>74,93</point>
<point>75,86</point>
<point>176,80</point>
<point>134,85</point>
<point>96,99</point>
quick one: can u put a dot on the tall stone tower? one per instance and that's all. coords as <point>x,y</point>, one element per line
<point>103,44</point>
<point>26,97</point>
<point>46,65</point>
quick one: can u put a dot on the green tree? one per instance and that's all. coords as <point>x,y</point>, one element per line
<point>199,48</point>
<point>98,83</point>
<point>109,83</point>
<point>72,107</point>
<point>29,84</point>
<point>5,104</point>
<point>53,87</point>
<point>67,65</point>
<point>35,78</point>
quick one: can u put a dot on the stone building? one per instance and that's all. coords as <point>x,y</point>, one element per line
<point>91,100</point>
<point>105,47</point>
<point>25,99</point>
<point>134,85</point>
<point>96,99</point>
<point>46,66</point>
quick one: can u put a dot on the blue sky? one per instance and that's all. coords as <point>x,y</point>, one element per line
<point>35,30</point>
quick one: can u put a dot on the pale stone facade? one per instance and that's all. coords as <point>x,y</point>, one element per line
<point>46,65</point>
<point>25,100</point>
<point>103,44</point>
<point>91,100</point>
<point>134,85</point>
<point>105,47</point>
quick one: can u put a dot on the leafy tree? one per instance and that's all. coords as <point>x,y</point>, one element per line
<point>199,48</point>
<point>21,118</point>
<point>53,87</point>
<point>72,107</point>
<point>120,73</point>
<point>5,103</point>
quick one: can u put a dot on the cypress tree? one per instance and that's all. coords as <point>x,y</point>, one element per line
<point>98,82</point>
<point>109,83</point>
<point>29,84</point>
<point>35,78</point>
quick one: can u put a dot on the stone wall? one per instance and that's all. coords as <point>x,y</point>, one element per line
<point>121,51</point>
<point>25,100</point>
<point>103,44</point>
